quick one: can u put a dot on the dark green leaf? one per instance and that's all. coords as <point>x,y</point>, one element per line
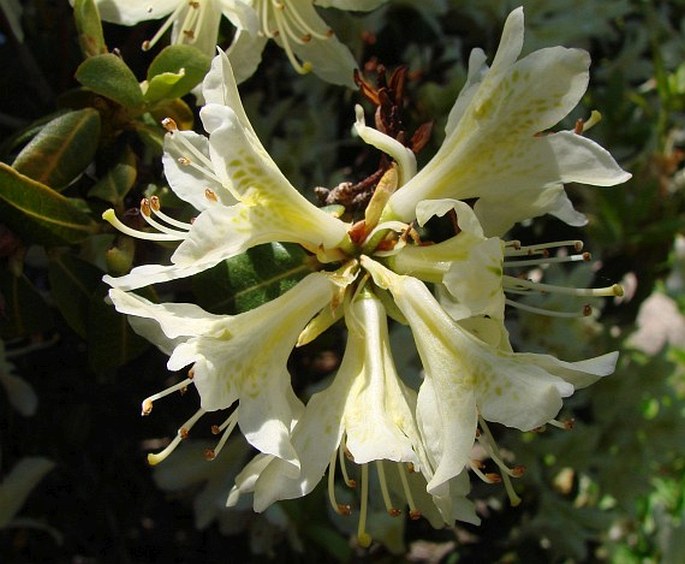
<point>89,28</point>
<point>38,214</point>
<point>24,309</point>
<point>109,76</point>
<point>111,341</point>
<point>251,279</point>
<point>62,149</point>
<point>72,283</point>
<point>118,180</point>
<point>175,71</point>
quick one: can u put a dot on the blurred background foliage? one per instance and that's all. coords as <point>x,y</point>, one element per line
<point>75,486</point>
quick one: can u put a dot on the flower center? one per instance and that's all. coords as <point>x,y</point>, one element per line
<point>280,18</point>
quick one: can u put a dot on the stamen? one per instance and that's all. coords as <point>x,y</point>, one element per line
<point>301,68</point>
<point>565,425</point>
<point>150,43</point>
<point>227,427</point>
<point>363,538</point>
<point>584,257</point>
<point>392,510</point>
<point>146,211</point>
<point>169,124</point>
<point>156,209</point>
<point>489,440</point>
<point>343,467</point>
<point>146,406</point>
<point>339,508</point>
<point>585,312</point>
<point>414,513</point>
<point>308,30</point>
<point>489,478</point>
<point>514,248</point>
<point>110,217</point>
<point>528,286</point>
<point>182,434</point>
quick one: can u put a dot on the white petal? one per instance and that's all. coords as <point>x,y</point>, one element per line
<point>241,14</point>
<point>131,12</point>
<point>511,43</point>
<point>245,54</point>
<point>174,319</point>
<point>20,394</point>
<point>187,182</point>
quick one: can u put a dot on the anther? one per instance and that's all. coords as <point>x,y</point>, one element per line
<point>211,195</point>
<point>587,310</point>
<point>415,514</point>
<point>209,454</point>
<point>169,124</point>
<point>215,430</point>
<point>146,407</point>
<point>184,161</point>
<point>344,509</point>
<point>145,207</point>
<point>155,205</point>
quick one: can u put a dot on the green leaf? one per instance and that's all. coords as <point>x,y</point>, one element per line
<point>24,311</point>
<point>73,282</point>
<point>89,28</point>
<point>244,282</point>
<point>62,149</point>
<point>38,214</point>
<point>118,180</point>
<point>175,71</point>
<point>110,77</point>
<point>111,341</point>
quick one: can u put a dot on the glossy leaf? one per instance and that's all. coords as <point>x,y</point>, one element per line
<point>175,71</point>
<point>24,311</point>
<point>110,77</point>
<point>89,28</point>
<point>62,149</point>
<point>38,214</point>
<point>73,282</point>
<point>118,180</point>
<point>251,279</point>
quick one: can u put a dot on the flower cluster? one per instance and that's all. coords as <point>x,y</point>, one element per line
<point>451,293</point>
<point>311,46</point>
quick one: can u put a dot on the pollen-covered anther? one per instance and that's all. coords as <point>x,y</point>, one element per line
<point>215,430</point>
<point>587,257</point>
<point>343,509</point>
<point>146,407</point>
<point>518,471</point>
<point>145,207</point>
<point>209,454</point>
<point>306,38</point>
<point>565,425</point>
<point>191,373</point>
<point>410,467</point>
<point>493,477</point>
<point>154,204</point>
<point>194,4</point>
<point>211,195</point>
<point>189,33</point>
<point>587,310</point>
<point>184,161</point>
<point>184,433</point>
<point>169,124</point>
<point>394,512</point>
<point>415,515</point>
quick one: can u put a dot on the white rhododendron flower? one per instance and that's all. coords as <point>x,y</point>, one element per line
<point>497,147</point>
<point>295,25</point>
<point>418,441</point>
